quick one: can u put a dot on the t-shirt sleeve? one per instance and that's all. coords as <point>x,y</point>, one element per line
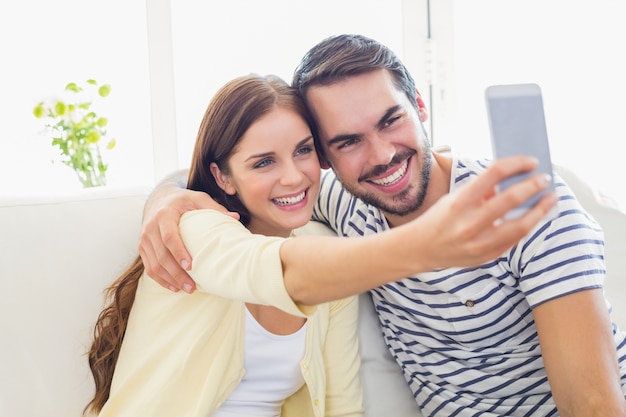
<point>334,202</point>
<point>563,256</point>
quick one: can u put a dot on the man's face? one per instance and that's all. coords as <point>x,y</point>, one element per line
<point>374,141</point>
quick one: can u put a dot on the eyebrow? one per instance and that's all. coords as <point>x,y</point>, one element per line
<point>390,111</point>
<point>379,125</point>
<point>266,154</point>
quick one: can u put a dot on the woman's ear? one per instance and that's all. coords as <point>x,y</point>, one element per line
<point>222,180</point>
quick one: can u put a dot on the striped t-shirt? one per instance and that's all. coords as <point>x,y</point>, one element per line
<point>465,338</point>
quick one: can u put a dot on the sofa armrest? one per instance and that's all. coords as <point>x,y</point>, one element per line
<point>57,254</point>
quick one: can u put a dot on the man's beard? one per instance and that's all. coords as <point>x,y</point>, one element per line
<point>404,203</point>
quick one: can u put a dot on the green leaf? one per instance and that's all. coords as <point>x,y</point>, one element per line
<point>39,111</point>
<point>73,87</point>
<point>102,121</point>
<point>60,108</point>
<point>104,90</point>
<point>93,136</point>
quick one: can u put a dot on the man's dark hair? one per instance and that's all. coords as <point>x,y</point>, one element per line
<point>339,57</point>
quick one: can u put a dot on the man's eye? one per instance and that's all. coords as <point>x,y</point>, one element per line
<point>347,143</point>
<point>391,121</point>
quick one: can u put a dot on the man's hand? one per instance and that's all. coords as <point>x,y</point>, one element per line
<point>466,228</point>
<point>161,248</point>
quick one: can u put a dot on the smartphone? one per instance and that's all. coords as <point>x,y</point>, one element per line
<point>518,126</point>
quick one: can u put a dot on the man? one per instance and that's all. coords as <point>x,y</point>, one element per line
<point>527,333</point>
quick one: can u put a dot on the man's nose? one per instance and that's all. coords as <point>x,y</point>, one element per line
<point>381,151</point>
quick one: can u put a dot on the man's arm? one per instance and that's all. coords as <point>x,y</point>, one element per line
<point>578,350</point>
<point>162,251</point>
<point>461,230</point>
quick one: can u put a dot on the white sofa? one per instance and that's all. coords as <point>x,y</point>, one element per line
<point>57,254</point>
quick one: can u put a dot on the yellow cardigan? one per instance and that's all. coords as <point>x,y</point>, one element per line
<point>182,354</point>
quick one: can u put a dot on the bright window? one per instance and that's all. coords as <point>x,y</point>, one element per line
<point>573,49</point>
<point>45,45</point>
<point>165,59</point>
<point>214,42</point>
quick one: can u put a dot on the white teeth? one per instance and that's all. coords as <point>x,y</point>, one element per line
<point>393,178</point>
<point>283,201</point>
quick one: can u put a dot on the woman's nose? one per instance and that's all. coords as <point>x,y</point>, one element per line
<point>291,174</point>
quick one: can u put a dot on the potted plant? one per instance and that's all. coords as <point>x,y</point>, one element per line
<point>78,131</point>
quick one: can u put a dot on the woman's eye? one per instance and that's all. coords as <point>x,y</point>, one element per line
<point>263,163</point>
<point>304,150</point>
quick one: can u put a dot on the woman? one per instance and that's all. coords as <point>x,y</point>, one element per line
<point>221,352</point>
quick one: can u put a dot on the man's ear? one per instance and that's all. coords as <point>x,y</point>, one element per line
<point>324,164</point>
<point>222,180</point>
<point>421,107</point>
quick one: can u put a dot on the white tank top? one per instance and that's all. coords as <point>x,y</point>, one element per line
<point>272,364</point>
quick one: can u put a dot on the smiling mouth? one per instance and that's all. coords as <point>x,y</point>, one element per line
<point>285,201</point>
<point>394,177</point>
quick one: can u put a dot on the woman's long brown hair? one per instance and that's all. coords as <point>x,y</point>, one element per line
<point>109,332</point>
<point>231,112</point>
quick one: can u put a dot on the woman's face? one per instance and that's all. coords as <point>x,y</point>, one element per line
<point>275,173</point>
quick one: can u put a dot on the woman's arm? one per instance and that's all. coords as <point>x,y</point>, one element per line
<point>578,350</point>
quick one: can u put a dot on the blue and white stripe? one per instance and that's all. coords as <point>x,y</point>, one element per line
<point>465,338</point>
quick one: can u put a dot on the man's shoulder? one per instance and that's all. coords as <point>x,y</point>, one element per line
<point>345,213</point>
<point>477,165</point>
<point>333,193</point>
<point>314,228</point>
<point>464,168</point>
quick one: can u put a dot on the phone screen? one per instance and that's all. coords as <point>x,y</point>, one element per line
<point>517,124</point>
